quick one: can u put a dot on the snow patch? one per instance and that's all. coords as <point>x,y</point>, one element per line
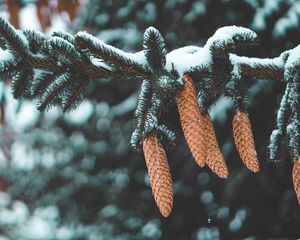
<point>81,114</point>
<point>5,55</point>
<point>28,17</point>
<point>183,59</point>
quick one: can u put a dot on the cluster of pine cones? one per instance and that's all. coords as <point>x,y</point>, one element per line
<point>201,138</point>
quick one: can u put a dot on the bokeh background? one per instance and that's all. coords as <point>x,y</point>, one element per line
<point>74,176</point>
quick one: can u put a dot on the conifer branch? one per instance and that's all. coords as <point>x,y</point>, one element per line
<point>155,49</point>
<point>60,69</point>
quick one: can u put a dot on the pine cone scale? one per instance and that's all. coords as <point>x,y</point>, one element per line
<point>190,121</point>
<point>159,174</point>
<point>244,140</point>
<point>214,159</point>
<point>296,178</point>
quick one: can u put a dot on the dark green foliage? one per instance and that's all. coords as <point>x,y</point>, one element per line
<point>64,35</point>
<point>155,49</point>
<point>112,57</point>
<point>151,120</point>
<point>14,40</point>
<point>9,67</point>
<point>237,42</point>
<point>75,92</point>
<point>54,91</point>
<point>143,105</point>
<point>167,133</point>
<point>21,82</point>
<point>41,82</point>
<point>36,41</point>
<point>90,190</point>
<point>279,133</point>
<point>237,89</point>
<point>203,80</point>
<point>293,129</point>
<point>56,57</point>
<point>294,137</point>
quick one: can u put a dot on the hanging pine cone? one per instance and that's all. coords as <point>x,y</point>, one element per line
<point>296,177</point>
<point>191,122</point>
<point>214,158</point>
<point>244,141</point>
<point>159,174</point>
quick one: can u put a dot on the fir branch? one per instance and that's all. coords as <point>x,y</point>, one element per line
<point>113,57</point>
<point>232,38</point>
<point>167,133</point>
<point>54,91</point>
<point>278,134</point>
<point>66,51</point>
<point>41,82</point>
<point>15,38</point>
<point>155,49</point>
<point>36,41</point>
<point>21,82</point>
<point>259,71</point>
<point>74,93</point>
<point>140,112</point>
<point>293,131</point>
<point>9,67</point>
<point>64,35</point>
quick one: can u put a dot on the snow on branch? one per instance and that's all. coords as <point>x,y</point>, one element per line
<point>59,69</point>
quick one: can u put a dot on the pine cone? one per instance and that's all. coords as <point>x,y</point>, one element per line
<point>244,141</point>
<point>159,174</point>
<point>191,122</point>
<point>214,158</point>
<point>296,178</point>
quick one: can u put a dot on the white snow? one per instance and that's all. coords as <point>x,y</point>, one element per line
<point>17,214</point>
<point>135,57</point>
<point>237,60</point>
<point>129,104</point>
<point>293,57</point>
<point>5,55</point>
<point>188,57</point>
<point>185,58</point>
<point>227,33</point>
<point>218,111</point>
<point>259,20</point>
<point>57,23</point>
<point>28,17</point>
<point>289,21</point>
<point>81,114</point>
<point>22,157</point>
<point>19,117</point>
<point>197,9</point>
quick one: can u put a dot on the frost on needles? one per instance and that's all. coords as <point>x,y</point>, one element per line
<point>59,69</point>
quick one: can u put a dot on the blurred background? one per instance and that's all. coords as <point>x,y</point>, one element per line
<point>74,176</point>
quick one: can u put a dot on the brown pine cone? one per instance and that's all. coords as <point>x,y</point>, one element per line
<point>159,174</point>
<point>44,14</point>
<point>214,158</point>
<point>191,122</point>
<point>244,140</point>
<point>296,177</point>
<point>14,8</point>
